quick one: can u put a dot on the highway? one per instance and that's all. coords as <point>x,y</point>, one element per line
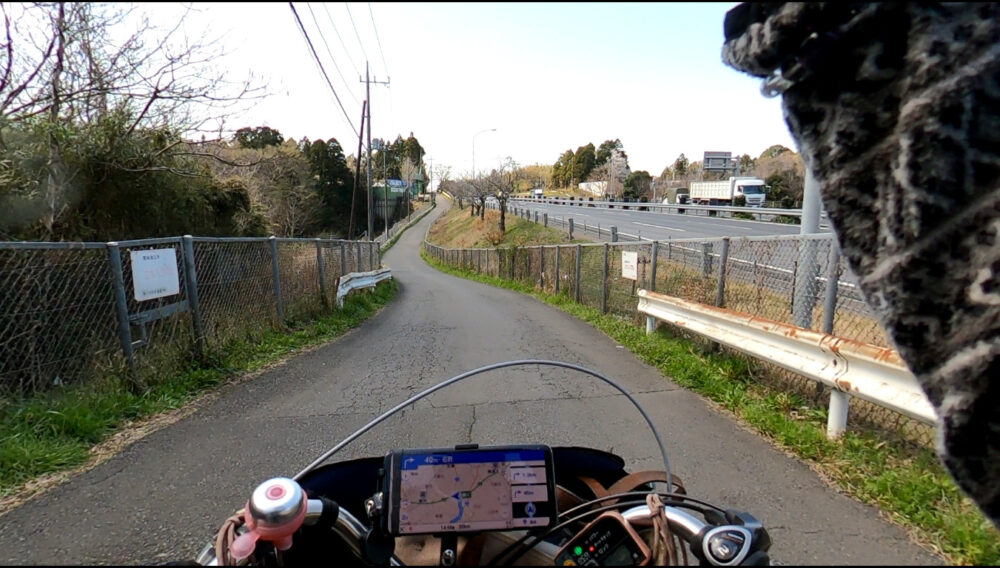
<point>659,226</point>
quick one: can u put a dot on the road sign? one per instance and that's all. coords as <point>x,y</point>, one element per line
<point>154,273</point>
<point>630,265</point>
<point>717,162</point>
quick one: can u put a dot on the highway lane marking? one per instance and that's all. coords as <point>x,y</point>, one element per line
<point>659,226</point>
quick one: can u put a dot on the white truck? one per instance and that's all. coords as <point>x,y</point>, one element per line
<point>723,192</point>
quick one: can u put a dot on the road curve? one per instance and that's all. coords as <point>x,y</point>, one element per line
<point>163,497</point>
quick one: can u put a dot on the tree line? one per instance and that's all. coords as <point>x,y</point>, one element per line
<point>97,140</point>
<point>607,165</point>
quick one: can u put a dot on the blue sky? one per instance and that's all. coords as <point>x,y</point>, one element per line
<point>548,77</point>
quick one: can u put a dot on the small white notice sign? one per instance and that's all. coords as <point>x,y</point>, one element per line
<point>154,273</point>
<point>630,265</point>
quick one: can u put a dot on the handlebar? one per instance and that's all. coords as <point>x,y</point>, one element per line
<point>718,545</point>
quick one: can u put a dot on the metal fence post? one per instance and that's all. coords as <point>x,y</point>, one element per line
<point>721,288</point>
<point>836,421</point>
<point>536,217</point>
<point>576,285</point>
<point>319,272</point>
<point>570,228</point>
<point>191,283</point>
<point>614,234</point>
<point>121,304</point>
<point>343,258</point>
<point>545,216</point>
<point>604,281</point>
<point>832,282</point>
<point>556,271</point>
<point>706,259</point>
<point>541,266</point>
<point>276,274</point>
<point>652,266</point>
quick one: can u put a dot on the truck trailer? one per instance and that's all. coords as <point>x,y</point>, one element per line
<point>723,192</point>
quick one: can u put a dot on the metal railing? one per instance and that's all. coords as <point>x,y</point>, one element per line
<point>359,281</point>
<point>850,368</point>
<point>70,311</point>
<point>758,213</point>
<point>800,280</point>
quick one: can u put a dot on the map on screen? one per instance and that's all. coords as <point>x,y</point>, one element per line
<point>473,491</point>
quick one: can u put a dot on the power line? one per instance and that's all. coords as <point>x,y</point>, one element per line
<point>356,34</point>
<point>339,37</point>
<point>332,58</point>
<point>322,70</point>
<point>380,52</point>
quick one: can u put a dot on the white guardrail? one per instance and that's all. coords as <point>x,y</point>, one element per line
<point>869,372</point>
<point>636,205</point>
<point>358,281</point>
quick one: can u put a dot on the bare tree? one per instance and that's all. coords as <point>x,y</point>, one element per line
<point>613,172</point>
<point>64,69</point>
<point>503,182</point>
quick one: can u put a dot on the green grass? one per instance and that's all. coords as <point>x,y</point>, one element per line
<point>906,482</point>
<point>393,240</point>
<point>56,431</point>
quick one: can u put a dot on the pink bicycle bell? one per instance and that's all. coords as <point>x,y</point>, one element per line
<point>275,511</point>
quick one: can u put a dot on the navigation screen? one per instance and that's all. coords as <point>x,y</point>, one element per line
<point>472,490</point>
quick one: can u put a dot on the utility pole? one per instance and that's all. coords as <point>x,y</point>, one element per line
<point>368,99</point>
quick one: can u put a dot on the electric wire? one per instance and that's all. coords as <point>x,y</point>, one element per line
<point>341,39</point>
<point>356,34</point>
<point>328,52</point>
<point>380,52</point>
<point>322,70</point>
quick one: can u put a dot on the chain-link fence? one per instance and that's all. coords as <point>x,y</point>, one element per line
<point>796,279</point>
<point>73,311</point>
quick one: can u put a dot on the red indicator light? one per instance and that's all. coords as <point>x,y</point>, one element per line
<point>591,549</point>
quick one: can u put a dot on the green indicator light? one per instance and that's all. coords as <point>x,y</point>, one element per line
<point>577,551</point>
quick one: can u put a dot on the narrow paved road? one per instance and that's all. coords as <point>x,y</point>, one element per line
<point>163,497</point>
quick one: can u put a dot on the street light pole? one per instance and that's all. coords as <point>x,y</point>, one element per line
<point>474,149</point>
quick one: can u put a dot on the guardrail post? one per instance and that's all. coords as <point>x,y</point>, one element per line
<point>576,284</point>
<point>121,305</point>
<point>706,258</point>
<point>319,272</point>
<point>545,217</point>
<point>536,217</point>
<point>720,289</point>
<point>652,265</point>
<point>556,271</point>
<point>276,276</point>
<point>836,421</point>
<point>604,281</point>
<point>570,228</point>
<point>343,258</point>
<point>191,283</point>
<point>614,234</point>
<point>650,325</point>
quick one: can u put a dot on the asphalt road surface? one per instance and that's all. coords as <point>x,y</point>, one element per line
<point>163,497</point>
<point>655,225</point>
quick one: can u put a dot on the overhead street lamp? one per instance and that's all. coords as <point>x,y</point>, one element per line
<point>474,149</point>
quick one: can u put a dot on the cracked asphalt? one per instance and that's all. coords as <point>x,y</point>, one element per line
<point>163,497</point>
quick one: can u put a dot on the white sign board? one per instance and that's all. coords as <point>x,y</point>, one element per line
<point>630,265</point>
<point>154,273</point>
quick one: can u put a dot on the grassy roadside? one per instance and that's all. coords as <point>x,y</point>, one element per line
<point>458,229</point>
<point>907,484</point>
<point>62,430</point>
